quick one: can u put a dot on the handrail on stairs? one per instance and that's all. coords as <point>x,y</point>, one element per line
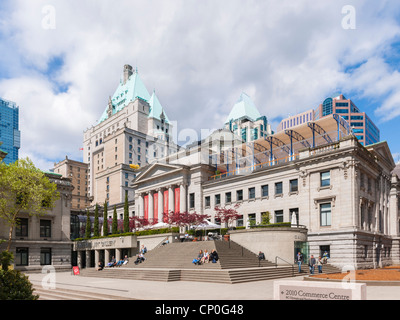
<point>161,243</point>
<point>276,263</point>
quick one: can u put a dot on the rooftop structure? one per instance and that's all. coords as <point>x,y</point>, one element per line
<point>280,147</point>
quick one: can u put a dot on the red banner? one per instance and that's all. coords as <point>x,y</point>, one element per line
<point>76,271</point>
<point>165,202</point>
<point>146,207</point>
<point>155,206</point>
<point>177,199</point>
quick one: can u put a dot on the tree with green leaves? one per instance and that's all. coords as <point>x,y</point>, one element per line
<point>96,231</point>
<point>24,189</point>
<point>114,226</point>
<point>88,225</point>
<point>105,222</point>
<point>126,214</point>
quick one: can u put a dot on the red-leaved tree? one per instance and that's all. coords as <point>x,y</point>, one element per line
<point>138,222</point>
<point>227,215</point>
<point>184,219</point>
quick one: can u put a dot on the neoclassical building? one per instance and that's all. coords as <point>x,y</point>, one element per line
<point>318,173</point>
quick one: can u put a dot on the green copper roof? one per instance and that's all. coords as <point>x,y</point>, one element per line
<point>156,108</point>
<point>244,108</point>
<point>125,93</point>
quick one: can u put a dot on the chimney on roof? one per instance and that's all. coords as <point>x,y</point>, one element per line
<point>127,72</point>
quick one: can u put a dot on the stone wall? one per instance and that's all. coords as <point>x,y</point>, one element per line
<point>273,242</point>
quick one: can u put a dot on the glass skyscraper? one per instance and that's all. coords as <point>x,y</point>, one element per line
<point>363,128</point>
<point>10,135</point>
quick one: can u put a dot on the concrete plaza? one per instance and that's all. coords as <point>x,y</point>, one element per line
<point>179,290</point>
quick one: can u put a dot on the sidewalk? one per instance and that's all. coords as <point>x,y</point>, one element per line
<point>182,290</point>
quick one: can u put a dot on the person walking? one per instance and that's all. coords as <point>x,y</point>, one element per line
<point>311,264</point>
<point>319,265</point>
<point>299,259</point>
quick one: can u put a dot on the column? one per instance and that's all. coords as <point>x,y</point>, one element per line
<point>96,257</point>
<point>183,197</point>
<point>141,205</point>
<point>160,204</point>
<point>106,256</point>
<point>151,206</point>
<point>79,256</point>
<point>88,260</point>
<point>171,199</point>
<point>118,253</point>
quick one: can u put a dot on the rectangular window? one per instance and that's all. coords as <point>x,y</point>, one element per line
<point>325,214</point>
<point>264,191</point>
<point>45,256</point>
<point>293,185</point>
<point>278,188</point>
<point>239,195</point>
<point>278,216</point>
<point>217,199</point>
<point>252,193</point>
<point>252,218</point>
<point>207,201</point>
<point>21,229</point>
<point>239,221</point>
<point>21,257</point>
<point>325,179</point>
<point>191,200</point>
<point>45,228</point>
<point>228,197</point>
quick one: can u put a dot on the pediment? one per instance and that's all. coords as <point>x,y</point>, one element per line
<point>382,150</point>
<point>158,170</point>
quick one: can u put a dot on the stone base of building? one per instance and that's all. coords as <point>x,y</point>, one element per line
<point>41,255</point>
<point>355,249</point>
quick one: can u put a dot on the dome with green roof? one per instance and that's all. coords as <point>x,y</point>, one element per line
<point>156,109</point>
<point>128,90</point>
<point>244,108</point>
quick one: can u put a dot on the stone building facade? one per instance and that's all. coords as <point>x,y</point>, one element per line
<point>41,241</point>
<point>132,131</point>
<point>78,173</point>
<point>343,193</point>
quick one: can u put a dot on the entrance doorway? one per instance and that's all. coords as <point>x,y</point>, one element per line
<point>324,250</point>
<point>303,247</point>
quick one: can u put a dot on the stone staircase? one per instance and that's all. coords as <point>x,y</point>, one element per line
<point>173,262</point>
<point>326,268</point>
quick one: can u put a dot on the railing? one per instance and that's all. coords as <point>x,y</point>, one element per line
<point>324,148</point>
<point>161,243</point>
<point>291,264</point>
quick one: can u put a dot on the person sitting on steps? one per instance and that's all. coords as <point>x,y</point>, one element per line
<point>112,263</point>
<point>206,257</point>
<point>214,256</point>
<point>199,258</point>
<point>140,258</point>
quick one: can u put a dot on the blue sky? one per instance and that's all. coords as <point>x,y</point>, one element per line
<point>60,62</point>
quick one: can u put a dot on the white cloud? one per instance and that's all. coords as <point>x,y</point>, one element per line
<point>199,56</point>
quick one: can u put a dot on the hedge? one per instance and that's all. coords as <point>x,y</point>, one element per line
<point>137,233</point>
